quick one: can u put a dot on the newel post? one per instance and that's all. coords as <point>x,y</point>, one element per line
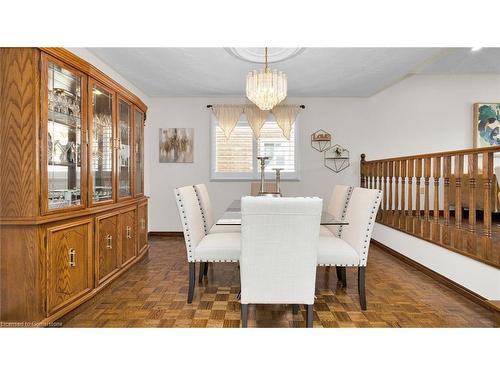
<point>362,170</point>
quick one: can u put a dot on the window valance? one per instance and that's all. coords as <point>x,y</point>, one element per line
<point>228,115</point>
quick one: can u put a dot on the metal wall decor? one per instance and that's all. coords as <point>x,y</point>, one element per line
<point>321,140</point>
<point>336,158</point>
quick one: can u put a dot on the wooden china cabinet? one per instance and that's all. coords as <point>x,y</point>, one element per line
<point>73,215</point>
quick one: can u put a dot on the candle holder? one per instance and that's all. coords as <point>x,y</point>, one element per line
<point>262,191</point>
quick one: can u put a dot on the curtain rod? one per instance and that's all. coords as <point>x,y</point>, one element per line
<point>300,106</point>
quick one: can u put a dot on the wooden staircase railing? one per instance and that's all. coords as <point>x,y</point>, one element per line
<point>447,198</point>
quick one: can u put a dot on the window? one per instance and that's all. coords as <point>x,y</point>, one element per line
<point>236,158</point>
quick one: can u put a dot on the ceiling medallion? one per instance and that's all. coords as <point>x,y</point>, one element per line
<point>266,88</point>
<point>257,55</point>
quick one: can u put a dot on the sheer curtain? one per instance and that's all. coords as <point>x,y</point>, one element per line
<point>256,118</point>
<point>285,116</point>
<point>227,116</point>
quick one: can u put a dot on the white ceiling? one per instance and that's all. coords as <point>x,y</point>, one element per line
<point>340,72</point>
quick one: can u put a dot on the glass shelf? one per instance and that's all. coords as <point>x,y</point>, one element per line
<point>64,119</point>
<point>63,164</point>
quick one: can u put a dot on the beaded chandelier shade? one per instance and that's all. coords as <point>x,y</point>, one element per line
<point>266,88</point>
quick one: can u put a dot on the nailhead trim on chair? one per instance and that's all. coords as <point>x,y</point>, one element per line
<point>201,210</point>
<point>349,193</point>
<point>370,226</point>
<point>337,265</point>
<point>186,230</point>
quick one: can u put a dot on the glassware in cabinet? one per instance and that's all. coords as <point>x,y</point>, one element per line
<point>64,137</point>
<point>102,144</point>
<point>125,149</point>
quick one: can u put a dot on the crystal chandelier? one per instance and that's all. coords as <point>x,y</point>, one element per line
<point>266,88</point>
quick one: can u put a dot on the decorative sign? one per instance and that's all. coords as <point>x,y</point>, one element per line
<point>321,140</point>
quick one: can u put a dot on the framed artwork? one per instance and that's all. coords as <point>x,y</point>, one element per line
<point>486,124</point>
<point>176,145</point>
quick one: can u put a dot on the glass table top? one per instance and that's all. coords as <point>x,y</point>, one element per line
<point>232,216</point>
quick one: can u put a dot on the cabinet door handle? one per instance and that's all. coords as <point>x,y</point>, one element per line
<point>109,241</point>
<point>143,223</point>
<point>72,257</point>
<point>129,232</point>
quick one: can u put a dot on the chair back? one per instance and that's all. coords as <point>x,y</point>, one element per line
<point>205,205</point>
<point>361,214</point>
<point>191,218</point>
<point>337,206</point>
<point>279,246</point>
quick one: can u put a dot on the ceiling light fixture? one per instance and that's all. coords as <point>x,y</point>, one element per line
<point>475,49</point>
<point>266,88</point>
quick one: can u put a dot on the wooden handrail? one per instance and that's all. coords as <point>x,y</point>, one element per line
<point>464,151</point>
<point>447,198</point>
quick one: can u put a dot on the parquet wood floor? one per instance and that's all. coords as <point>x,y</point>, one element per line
<point>153,294</point>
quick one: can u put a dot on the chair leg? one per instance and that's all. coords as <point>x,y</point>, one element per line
<point>361,287</point>
<point>244,315</point>
<point>341,275</point>
<point>205,271</point>
<point>295,309</point>
<point>309,316</point>
<point>203,267</point>
<point>192,271</point>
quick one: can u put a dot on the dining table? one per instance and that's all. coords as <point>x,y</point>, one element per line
<point>232,216</point>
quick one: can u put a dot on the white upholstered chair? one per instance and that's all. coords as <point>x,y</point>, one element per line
<point>351,249</point>
<point>202,247</point>
<point>337,207</point>
<point>209,221</point>
<point>279,245</point>
<point>207,212</point>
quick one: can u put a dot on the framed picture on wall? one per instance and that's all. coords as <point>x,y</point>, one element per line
<point>486,124</point>
<point>176,145</point>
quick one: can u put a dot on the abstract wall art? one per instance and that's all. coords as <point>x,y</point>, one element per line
<point>486,124</point>
<point>176,145</point>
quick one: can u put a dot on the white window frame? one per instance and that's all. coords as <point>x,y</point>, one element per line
<point>255,175</point>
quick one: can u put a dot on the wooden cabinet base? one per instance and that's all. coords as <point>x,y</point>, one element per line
<point>49,269</point>
<point>59,314</point>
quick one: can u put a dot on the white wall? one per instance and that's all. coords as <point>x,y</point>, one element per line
<point>192,112</point>
<point>476,276</point>
<point>422,113</point>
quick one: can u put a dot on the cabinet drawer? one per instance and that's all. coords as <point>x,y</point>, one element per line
<point>107,246</point>
<point>128,236</point>
<point>142,225</point>
<point>69,268</point>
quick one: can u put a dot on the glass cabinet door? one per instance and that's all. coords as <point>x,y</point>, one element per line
<point>125,149</point>
<point>64,137</point>
<point>139,143</point>
<point>102,144</point>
